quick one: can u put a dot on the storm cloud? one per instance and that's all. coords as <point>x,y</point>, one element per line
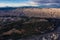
<point>47,1</point>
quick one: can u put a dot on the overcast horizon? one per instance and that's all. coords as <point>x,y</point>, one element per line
<point>40,3</point>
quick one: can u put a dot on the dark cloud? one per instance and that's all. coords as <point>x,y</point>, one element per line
<point>47,1</point>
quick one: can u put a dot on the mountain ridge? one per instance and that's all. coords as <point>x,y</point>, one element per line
<point>31,12</point>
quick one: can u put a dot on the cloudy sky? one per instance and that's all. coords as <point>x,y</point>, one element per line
<point>38,3</point>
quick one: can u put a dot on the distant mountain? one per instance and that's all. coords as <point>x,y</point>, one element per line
<point>7,8</point>
<point>30,11</point>
<point>11,8</point>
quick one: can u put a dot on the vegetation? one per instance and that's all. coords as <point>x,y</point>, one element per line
<point>25,27</point>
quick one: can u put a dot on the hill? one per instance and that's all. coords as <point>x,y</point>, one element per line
<point>31,12</point>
